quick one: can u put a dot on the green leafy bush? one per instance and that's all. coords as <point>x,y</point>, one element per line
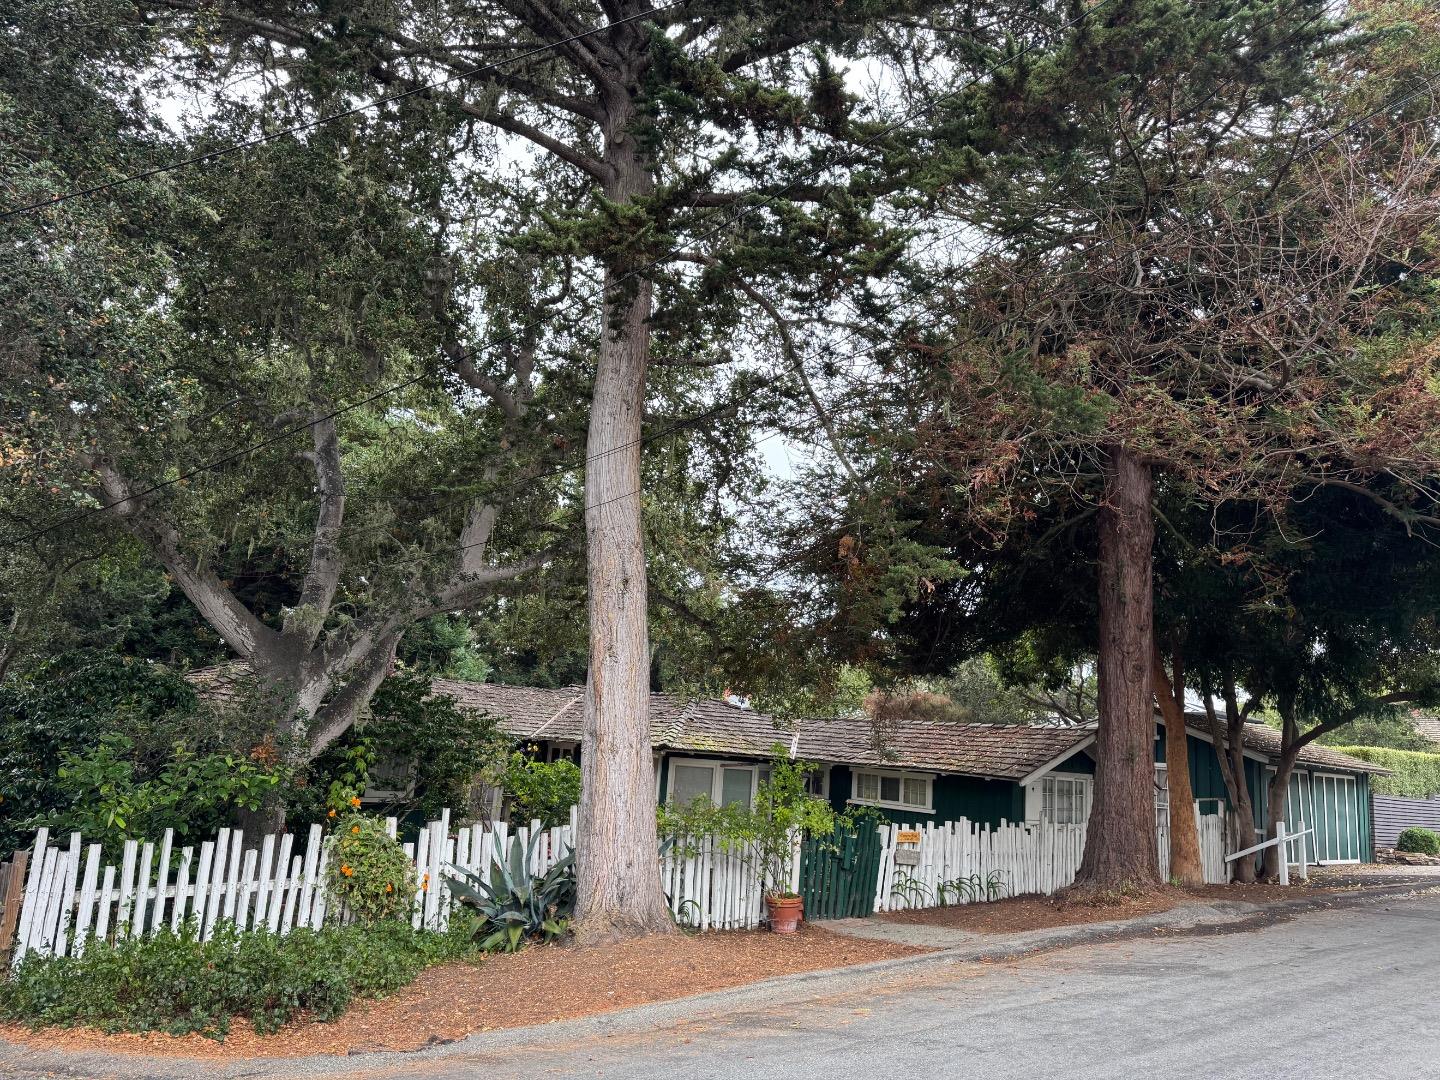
<point>1415,774</point>
<point>782,806</point>
<point>110,798</point>
<point>542,789</point>
<point>1419,841</point>
<point>178,984</point>
<point>443,749</point>
<point>367,869</point>
<point>513,906</point>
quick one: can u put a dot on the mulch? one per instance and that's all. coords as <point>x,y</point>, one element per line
<point>1024,913</point>
<point>538,985</point>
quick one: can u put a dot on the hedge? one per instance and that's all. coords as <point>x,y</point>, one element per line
<point>1417,773</point>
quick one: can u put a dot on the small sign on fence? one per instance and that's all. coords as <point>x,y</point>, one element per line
<point>907,856</point>
<point>908,836</point>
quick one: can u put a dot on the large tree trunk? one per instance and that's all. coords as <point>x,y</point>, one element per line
<point>1279,787</point>
<point>617,854</point>
<point>1185,865</point>
<point>1120,846</point>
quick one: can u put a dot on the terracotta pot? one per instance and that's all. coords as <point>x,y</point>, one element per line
<point>785,913</point>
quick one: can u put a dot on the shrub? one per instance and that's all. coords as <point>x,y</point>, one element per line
<point>542,789</point>
<point>175,983</point>
<point>1416,774</point>
<point>514,907</point>
<point>1420,841</point>
<point>367,869</point>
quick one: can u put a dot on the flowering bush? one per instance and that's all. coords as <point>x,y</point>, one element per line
<point>367,869</point>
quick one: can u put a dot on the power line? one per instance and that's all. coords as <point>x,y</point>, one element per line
<point>307,125</point>
<point>766,199</point>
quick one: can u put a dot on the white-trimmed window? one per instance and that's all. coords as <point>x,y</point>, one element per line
<point>1162,795</point>
<point>1064,800</point>
<point>895,790</point>
<point>722,782</point>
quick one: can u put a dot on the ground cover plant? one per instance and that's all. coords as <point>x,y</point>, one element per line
<point>177,984</point>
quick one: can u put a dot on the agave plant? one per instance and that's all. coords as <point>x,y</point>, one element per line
<point>514,906</point>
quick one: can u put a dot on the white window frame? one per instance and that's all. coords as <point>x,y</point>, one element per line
<point>717,782</point>
<point>1162,794</point>
<point>902,775</point>
<point>377,794</point>
<point>1086,782</point>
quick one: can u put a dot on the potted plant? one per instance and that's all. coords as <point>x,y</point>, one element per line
<point>784,811</point>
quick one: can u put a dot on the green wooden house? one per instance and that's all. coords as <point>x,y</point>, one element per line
<point>921,771</point>
<point>935,771</point>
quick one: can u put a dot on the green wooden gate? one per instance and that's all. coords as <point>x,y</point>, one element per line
<point>838,874</point>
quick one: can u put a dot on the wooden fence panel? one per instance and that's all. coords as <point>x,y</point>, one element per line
<point>1390,815</point>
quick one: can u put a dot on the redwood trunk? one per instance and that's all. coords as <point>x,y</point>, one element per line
<point>1185,865</point>
<point>1120,845</point>
<point>617,860</point>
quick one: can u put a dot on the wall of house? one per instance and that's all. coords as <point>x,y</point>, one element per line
<point>986,802</point>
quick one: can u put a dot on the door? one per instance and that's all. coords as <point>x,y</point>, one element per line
<point>838,873</point>
<point>1337,818</point>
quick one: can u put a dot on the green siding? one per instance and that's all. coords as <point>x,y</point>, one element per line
<point>985,801</point>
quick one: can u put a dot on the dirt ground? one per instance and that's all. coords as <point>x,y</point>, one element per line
<point>1042,912</point>
<point>536,986</point>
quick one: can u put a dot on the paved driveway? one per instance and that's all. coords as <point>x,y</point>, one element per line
<point>1349,993</point>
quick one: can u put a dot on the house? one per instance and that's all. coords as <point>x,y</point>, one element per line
<point>1427,727</point>
<point>926,771</point>
<point>921,771</point>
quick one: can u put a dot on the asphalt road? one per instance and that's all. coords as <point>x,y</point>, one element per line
<point>1352,994</point>
<point>1348,993</point>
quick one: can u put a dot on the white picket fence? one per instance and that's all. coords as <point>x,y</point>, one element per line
<point>70,897</point>
<point>711,888</point>
<point>964,860</point>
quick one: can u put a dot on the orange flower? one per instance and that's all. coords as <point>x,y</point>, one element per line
<point>354,828</point>
<point>347,871</point>
<point>332,813</point>
<point>425,883</point>
<point>355,800</point>
<point>389,887</point>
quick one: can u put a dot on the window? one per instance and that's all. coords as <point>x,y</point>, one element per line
<point>1162,796</point>
<point>897,790</point>
<point>1065,800</point>
<point>723,783</point>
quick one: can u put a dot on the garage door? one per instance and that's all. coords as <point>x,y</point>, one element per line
<point>1337,818</point>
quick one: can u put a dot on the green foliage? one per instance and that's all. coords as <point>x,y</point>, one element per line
<point>783,807</point>
<point>1390,732</point>
<point>109,800</point>
<point>1418,840</point>
<point>445,749</point>
<point>367,870</point>
<point>1414,773</point>
<point>910,889</point>
<point>972,889</point>
<point>177,984</point>
<point>542,789</point>
<point>513,906</point>
<point>119,747</point>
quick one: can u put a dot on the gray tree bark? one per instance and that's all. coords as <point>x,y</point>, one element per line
<point>617,853</point>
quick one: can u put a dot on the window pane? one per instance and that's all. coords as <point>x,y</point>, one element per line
<point>735,787</point>
<point>867,786</point>
<point>915,794</point>
<point>690,781</point>
<point>889,789</point>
